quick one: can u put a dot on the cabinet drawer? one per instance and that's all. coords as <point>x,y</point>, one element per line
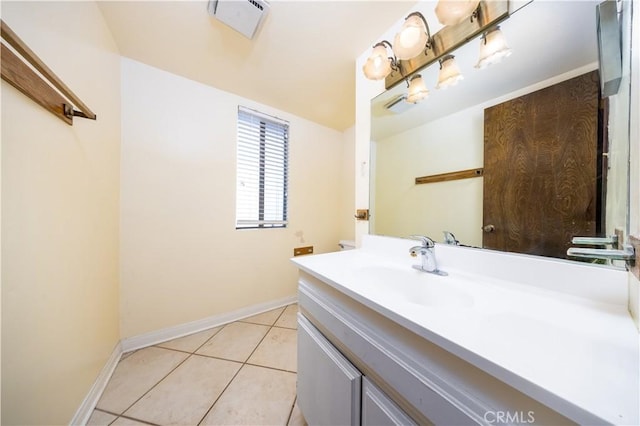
<point>379,410</point>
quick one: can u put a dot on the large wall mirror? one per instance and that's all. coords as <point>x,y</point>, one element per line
<point>552,42</point>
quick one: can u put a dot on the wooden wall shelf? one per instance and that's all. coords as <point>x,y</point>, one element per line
<point>463,174</point>
<point>45,88</point>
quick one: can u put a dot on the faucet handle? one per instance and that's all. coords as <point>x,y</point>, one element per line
<point>426,241</point>
<point>450,239</point>
<point>628,254</point>
<point>610,239</point>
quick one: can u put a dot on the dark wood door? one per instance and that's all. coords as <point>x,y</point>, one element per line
<point>540,169</point>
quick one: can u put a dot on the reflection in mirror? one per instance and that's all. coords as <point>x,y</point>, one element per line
<point>551,42</point>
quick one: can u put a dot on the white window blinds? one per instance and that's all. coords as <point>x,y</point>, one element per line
<point>262,170</point>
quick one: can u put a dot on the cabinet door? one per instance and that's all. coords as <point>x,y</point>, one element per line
<point>329,385</point>
<point>379,410</point>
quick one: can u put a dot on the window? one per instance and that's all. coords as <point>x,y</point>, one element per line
<point>262,170</point>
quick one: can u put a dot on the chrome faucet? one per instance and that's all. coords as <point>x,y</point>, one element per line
<point>427,253</point>
<point>450,239</point>
<point>627,253</point>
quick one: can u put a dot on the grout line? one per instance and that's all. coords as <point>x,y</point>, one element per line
<point>174,350</point>
<point>271,368</point>
<point>246,320</point>
<point>256,347</point>
<point>229,359</point>
<point>235,361</point>
<point>292,407</point>
<point>223,359</point>
<point>136,420</point>
<point>268,331</point>
<point>284,328</point>
<point>106,412</point>
<point>126,355</point>
<point>159,381</point>
<point>159,345</point>
<point>295,398</point>
<point>209,339</point>
<point>220,396</point>
<point>245,363</point>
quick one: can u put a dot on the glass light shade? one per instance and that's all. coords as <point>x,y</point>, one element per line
<point>412,38</point>
<point>417,90</point>
<point>378,65</point>
<point>450,74</point>
<point>452,12</point>
<point>493,48</point>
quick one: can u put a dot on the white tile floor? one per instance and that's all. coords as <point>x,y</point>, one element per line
<point>242,373</point>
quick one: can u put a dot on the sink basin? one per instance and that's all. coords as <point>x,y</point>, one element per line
<point>415,287</point>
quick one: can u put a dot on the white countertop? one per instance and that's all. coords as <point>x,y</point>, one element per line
<point>572,346</point>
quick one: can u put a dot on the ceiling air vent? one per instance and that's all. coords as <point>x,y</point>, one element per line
<point>244,16</point>
<point>398,105</point>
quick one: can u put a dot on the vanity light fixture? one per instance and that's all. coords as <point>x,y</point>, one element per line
<point>413,38</point>
<point>379,64</point>
<point>417,90</point>
<point>453,12</point>
<point>414,46</point>
<point>450,74</point>
<point>493,48</point>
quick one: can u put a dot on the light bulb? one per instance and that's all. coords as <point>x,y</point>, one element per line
<point>493,48</point>
<point>452,12</point>
<point>450,74</point>
<point>412,38</point>
<point>417,90</point>
<point>378,65</point>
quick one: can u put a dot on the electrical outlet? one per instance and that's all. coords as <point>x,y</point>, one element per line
<point>299,251</point>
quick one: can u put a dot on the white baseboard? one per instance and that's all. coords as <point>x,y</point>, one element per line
<point>89,404</point>
<point>169,333</point>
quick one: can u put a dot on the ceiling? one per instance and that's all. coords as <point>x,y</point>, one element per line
<point>301,61</point>
<point>547,38</point>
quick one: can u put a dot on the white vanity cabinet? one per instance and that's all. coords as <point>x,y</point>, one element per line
<point>332,391</point>
<point>329,386</point>
<point>356,366</point>
<point>379,410</point>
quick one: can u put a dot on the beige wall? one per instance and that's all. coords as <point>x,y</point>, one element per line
<point>60,189</point>
<point>348,209</point>
<point>181,257</point>
<point>402,208</point>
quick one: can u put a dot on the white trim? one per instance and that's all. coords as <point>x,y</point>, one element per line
<point>272,118</point>
<point>154,337</point>
<point>91,400</point>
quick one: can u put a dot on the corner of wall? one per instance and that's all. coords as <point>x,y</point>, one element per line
<point>348,189</point>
